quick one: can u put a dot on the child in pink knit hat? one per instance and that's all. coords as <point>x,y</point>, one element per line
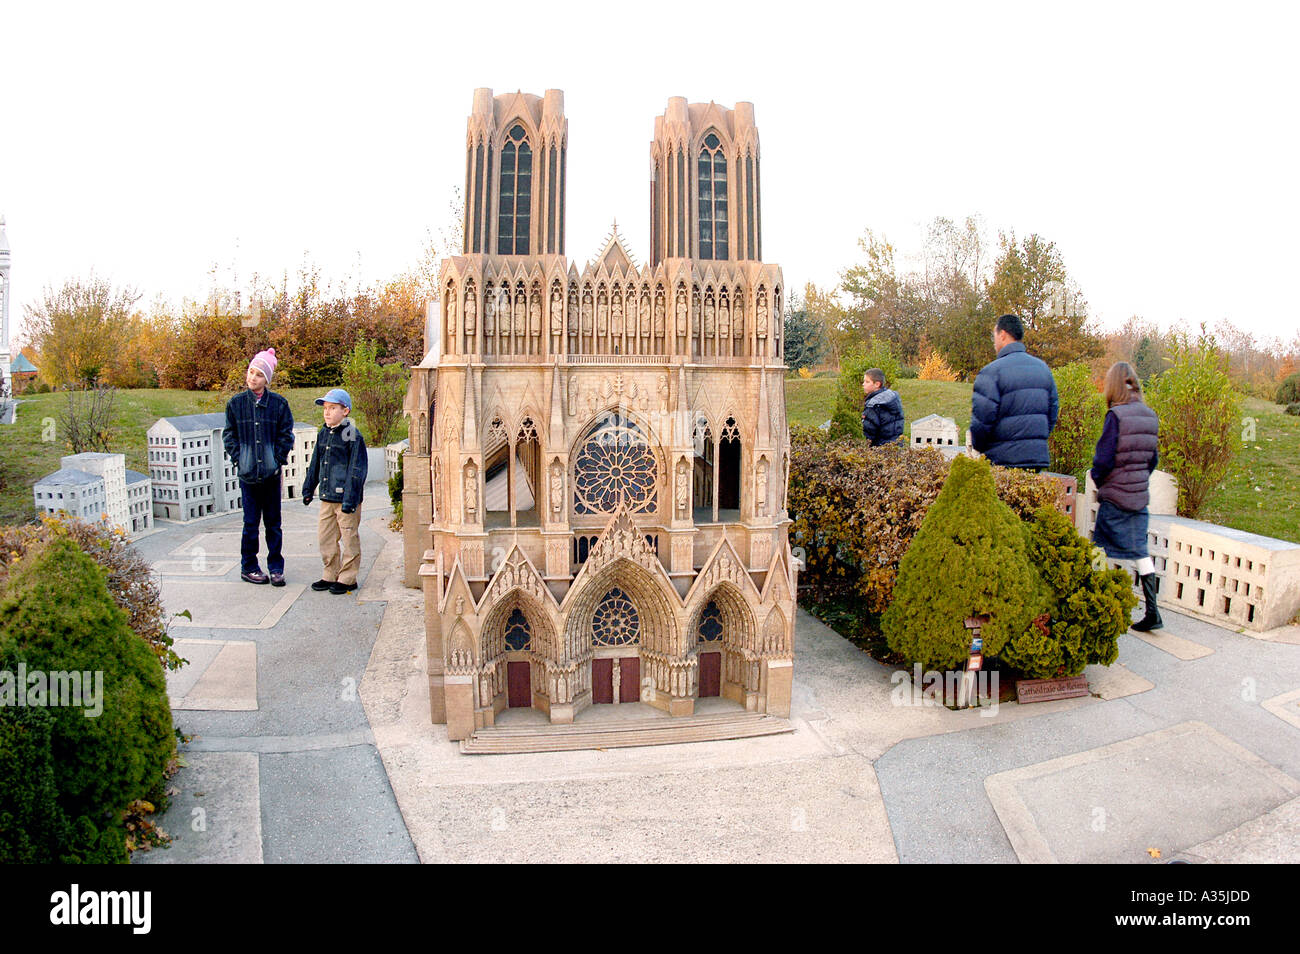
<point>258,438</point>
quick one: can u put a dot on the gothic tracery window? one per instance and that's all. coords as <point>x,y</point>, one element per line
<point>616,621</point>
<point>614,463</point>
<point>710,623</point>
<point>518,633</point>
<point>711,177</point>
<point>516,194</point>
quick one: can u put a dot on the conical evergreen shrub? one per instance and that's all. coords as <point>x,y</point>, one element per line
<point>970,558</point>
<point>1089,609</point>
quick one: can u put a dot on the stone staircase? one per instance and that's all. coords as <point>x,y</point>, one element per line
<point>502,740</point>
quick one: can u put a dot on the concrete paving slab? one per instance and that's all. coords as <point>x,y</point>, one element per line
<point>1115,681</point>
<point>228,682</point>
<point>194,567</point>
<point>217,817</point>
<point>1175,646</point>
<point>331,806</point>
<point>199,653</point>
<point>226,605</point>
<point>1285,707</point>
<point>1168,789</point>
<point>1283,634</point>
<point>1269,839</point>
<point>298,540</point>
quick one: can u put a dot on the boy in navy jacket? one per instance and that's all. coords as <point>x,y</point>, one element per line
<point>338,465</point>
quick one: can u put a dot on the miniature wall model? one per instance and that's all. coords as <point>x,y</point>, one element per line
<point>596,476</point>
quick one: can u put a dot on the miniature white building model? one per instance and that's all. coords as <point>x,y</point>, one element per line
<point>75,492</point>
<point>392,454</point>
<point>192,476</point>
<point>139,498</point>
<point>111,468</point>
<point>295,471</point>
<point>935,431</point>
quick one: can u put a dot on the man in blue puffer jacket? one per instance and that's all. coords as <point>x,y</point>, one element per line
<point>1014,406</point>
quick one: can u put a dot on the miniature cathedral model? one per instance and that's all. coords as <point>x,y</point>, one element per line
<point>595,489</point>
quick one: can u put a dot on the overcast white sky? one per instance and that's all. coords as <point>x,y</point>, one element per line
<point>1156,144</point>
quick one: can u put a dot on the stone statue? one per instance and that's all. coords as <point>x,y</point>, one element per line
<point>586,313</point>
<point>708,317</point>
<point>557,491</point>
<point>471,312</point>
<point>681,311</point>
<point>683,489</point>
<point>761,318</point>
<point>602,317</point>
<point>738,319</point>
<point>557,312</point>
<point>573,396</point>
<point>660,315</point>
<point>535,315</point>
<point>618,680</point>
<point>521,314</point>
<point>437,487</point>
<point>616,316</point>
<point>573,311</point>
<point>451,315</point>
<point>760,491</point>
<point>724,319</point>
<point>645,314</point>
<point>663,394</point>
<point>471,494</point>
<point>490,314</point>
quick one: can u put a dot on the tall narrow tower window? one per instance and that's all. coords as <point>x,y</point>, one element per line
<point>516,195</point>
<point>711,175</point>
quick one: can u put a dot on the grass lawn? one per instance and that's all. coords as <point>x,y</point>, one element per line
<point>1261,493</point>
<point>27,457</point>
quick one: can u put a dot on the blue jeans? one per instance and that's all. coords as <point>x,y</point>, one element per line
<point>261,501</point>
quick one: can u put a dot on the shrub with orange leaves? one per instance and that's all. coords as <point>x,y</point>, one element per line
<point>934,368</point>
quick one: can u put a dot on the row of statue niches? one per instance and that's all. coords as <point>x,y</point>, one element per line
<point>604,323</point>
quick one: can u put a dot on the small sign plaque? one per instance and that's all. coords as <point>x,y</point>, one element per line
<point>1045,690</point>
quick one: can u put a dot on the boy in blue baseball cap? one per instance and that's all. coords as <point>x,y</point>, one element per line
<point>338,465</point>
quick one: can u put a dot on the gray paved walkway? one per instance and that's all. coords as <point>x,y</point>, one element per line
<point>313,744</point>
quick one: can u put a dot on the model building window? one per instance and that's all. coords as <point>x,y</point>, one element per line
<point>516,196</point>
<point>710,623</point>
<point>518,633</point>
<point>614,464</point>
<point>616,621</point>
<point>711,175</point>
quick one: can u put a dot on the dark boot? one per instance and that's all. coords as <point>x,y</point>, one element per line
<point>1152,619</point>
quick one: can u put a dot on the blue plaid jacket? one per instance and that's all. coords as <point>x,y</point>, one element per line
<point>258,435</point>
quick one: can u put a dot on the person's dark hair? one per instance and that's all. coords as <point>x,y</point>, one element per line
<point>875,374</point>
<point>1012,325</point>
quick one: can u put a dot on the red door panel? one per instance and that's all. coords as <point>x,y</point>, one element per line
<point>519,680</point>
<point>602,680</point>
<point>629,676</point>
<point>710,674</point>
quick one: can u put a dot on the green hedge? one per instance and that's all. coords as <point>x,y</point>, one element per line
<point>56,615</point>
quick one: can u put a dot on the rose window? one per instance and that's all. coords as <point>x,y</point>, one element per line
<point>616,621</point>
<point>615,463</point>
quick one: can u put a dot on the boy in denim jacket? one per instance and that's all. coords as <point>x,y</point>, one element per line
<point>338,465</point>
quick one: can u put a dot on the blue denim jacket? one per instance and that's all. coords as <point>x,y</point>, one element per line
<point>340,465</point>
<point>258,435</point>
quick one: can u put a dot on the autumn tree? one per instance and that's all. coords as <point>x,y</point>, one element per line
<point>882,304</point>
<point>77,328</point>
<point>1030,280</point>
<point>805,340</point>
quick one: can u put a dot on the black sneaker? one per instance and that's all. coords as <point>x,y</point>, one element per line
<point>321,586</point>
<point>338,589</point>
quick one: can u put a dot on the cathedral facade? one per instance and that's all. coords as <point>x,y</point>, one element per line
<point>595,489</point>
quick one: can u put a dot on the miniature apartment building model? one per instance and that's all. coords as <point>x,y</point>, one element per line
<point>598,456</point>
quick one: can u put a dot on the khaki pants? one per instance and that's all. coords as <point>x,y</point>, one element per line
<point>338,527</point>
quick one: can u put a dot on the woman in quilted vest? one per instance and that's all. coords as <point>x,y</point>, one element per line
<point>1121,469</point>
